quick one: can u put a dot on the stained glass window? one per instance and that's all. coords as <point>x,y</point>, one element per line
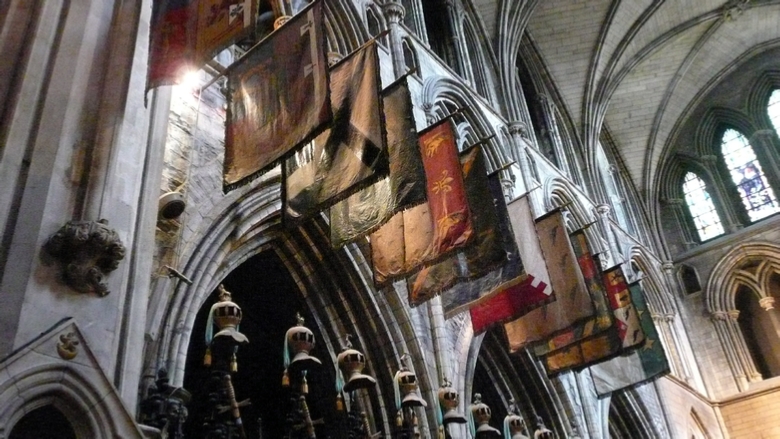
<point>773,108</point>
<point>705,217</point>
<point>746,172</point>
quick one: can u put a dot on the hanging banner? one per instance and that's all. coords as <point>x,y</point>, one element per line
<point>426,233</point>
<point>624,336</point>
<point>351,154</point>
<point>572,301</point>
<point>277,97</point>
<point>483,281</point>
<point>185,34</point>
<point>639,366</point>
<point>484,253</point>
<point>603,320</point>
<point>511,300</point>
<point>364,211</point>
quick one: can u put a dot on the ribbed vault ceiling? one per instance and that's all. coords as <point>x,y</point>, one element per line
<point>638,66</point>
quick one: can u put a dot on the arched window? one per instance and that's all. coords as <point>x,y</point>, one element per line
<point>375,25</point>
<point>410,56</point>
<point>773,109</point>
<point>701,207</point>
<point>757,196</point>
<point>609,178</point>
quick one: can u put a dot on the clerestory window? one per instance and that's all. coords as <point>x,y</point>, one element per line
<point>747,174</point>
<point>701,207</point>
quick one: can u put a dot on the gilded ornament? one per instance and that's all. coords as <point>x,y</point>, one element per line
<point>66,347</point>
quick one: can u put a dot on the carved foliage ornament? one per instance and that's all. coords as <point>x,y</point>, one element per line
<point>86,251</point>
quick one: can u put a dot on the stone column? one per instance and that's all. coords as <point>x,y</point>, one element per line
<point>456,37</point>
<point>394,13</point>
<point>602,214</point>
<point>731,222</point>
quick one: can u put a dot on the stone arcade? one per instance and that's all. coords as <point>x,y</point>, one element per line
<point>654,121</point>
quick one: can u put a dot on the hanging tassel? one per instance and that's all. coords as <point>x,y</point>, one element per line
<point>397,391</point>
<point>339,403</point>
<point>414,419</point>
<point>207,358</point>
<point>233,363</point>
<point>441,432</point>
<point>285,379</point>
<point>399,419</point>
<point>304,385</point>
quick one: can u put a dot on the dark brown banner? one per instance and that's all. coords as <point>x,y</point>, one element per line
<point>363,212</point>
<point>277,97</point>
<point>351,154</point>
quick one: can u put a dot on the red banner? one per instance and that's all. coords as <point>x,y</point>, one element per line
<point>512,300</point>
<point>446,190</point>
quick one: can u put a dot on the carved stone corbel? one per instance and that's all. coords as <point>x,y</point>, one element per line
<point>86,251</point>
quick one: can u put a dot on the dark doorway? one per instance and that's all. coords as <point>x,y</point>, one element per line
<point>43,423</point>
<point>269,299</point>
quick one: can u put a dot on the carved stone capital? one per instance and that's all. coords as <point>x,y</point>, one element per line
<point>733,314</point>
<point>86,251</point>
<point>768,303</point>
<point>719,316</point>
<point>519,128</point>
<point>709,159</point>
<point>668,266</point>
<point>394,11</point>
<point>762,135</point>
<point>602,210</point>
<point>672,201</point>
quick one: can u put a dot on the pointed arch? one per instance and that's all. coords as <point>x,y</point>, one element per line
<point>441,96</point>
<point>726,274</point>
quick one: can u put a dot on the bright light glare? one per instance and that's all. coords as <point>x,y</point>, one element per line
<point>190,80</point>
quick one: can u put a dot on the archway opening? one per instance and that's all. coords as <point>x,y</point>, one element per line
<point>269,298</point>
<point>43,423</point>
<point>759,331</point>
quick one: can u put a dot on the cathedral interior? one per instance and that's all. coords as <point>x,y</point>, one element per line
<point>653,125</point>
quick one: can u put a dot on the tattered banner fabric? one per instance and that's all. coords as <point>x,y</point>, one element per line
<point>185,34</point>
<point>277,97</point>
<point>625,335</point>
<point>464,295</point>
<point>351,154</point>
<point>422,235</point>
<point>602,321</point>
<point>364,211</point>
<point>511,300</point>
<point>485,251</point>
<point>572,302</point>
<point>646,363</point>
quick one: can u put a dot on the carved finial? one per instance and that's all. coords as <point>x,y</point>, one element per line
<point>347,342</point>
<point>477,398</point>
<point>404,358</point>
<point>445,382</point>
<point>513,407</point>
<point>224,295</point>
<point>299,318</point>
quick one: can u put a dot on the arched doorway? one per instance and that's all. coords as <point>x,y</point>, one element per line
<point>270,299</point>
<point>43,423</point>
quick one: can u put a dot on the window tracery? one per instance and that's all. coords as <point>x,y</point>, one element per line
<point>773,110</point>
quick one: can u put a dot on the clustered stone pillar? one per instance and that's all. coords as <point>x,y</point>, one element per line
<point>394,12</point>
